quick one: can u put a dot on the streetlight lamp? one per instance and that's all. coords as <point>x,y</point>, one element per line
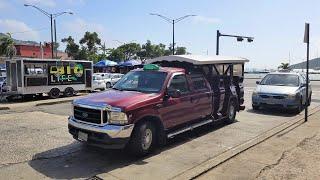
<point>239,38</point>
<point>51,16</point>
<point>172,21</point>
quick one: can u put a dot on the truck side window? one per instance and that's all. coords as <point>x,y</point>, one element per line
<point>179,82</point>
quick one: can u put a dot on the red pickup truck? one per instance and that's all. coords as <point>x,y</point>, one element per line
<point>149,105</point>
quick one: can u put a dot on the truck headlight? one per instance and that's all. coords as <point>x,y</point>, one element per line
<point>118,118</point>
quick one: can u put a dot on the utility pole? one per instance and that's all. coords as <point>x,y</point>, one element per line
<point>51,16</point>
<point>55,39</point>
<point>173,22</point>
<point>307,41</point>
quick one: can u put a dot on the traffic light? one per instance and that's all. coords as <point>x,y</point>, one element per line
<point>239,38</point>
<point>249,39</point>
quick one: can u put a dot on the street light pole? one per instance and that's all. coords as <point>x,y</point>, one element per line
<point>239,38</point>
<point>173,22</point>
<point>51,16</point>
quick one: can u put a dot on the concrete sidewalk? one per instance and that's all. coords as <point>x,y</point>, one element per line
<point>290,154</point>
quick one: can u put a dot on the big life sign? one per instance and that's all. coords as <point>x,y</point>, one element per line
<point>66,73</point>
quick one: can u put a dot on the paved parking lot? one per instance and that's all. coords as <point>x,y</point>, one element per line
<point>35,144</point>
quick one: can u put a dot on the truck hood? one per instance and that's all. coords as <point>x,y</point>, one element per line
<point>126,100</point>
<point>276,89</point>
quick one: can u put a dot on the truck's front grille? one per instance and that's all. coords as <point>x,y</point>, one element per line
<point>87,115</point>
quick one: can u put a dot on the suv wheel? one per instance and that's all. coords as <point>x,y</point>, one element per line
<point>231,115</point>
<point>142,139</point>
<point>108,85</point>
<point>255,107</point>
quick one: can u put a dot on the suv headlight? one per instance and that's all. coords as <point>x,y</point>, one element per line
<point>118,118</point>
<point>293,96</point>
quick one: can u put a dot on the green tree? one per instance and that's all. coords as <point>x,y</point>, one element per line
<point>149,50</point>
<point>284,66</point>
<point>116,55</point>
<point>72,49</point>
<point>130,50</point>
<point>7,47</point>
<point>91,40</point>
<point>180,51</point>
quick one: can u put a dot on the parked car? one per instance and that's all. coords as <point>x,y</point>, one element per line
<point>112,79</point>
<point>149,105</point>
<point>282,90</point>
<point>3,84</point>
<point>98,83</point>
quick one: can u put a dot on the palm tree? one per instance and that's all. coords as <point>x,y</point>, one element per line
<point>7,47</point>
<point>284,66</point>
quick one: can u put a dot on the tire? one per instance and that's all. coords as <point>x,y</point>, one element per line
<point>300,107</point>
<point>54,93</point>
<point>231,115</point>
<point>108,85</point>
<point>255,107</point>
<point>143,139</point>
<point>68,92</point>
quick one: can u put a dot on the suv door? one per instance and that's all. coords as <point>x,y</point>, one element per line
<point>176,111</point>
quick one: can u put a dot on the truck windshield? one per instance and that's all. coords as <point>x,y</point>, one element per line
<point>280,80</point>
<point>143,81</point>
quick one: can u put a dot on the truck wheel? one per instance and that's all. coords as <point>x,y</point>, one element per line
<point>68,92</point>
<point>54,93</point>
<point>254,107</point>
<point>142,139</point>
<point>108,85</point>
<point>231,115</point>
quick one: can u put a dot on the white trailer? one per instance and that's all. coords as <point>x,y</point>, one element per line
<point>26,76</point>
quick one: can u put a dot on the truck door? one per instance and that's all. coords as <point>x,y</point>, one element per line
<point>176,111</point>
<point>202,96</point>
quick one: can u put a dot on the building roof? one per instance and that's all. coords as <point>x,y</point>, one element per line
<point>199,59</point>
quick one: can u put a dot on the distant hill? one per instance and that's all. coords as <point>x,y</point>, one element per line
<point>16,41</point>
<point>313,64</point>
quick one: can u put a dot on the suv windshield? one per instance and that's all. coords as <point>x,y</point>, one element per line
<point>280,80</point>
<point>143,81</point>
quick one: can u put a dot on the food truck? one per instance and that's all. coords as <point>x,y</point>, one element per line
<point>29,76</point>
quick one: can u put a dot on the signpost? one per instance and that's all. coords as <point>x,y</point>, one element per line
<point>306,40</point>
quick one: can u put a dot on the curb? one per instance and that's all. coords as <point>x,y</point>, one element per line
<point>204,167</point>
<point>4,108</point>
<point>52,103</point>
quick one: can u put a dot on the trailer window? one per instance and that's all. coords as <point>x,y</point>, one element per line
<point>199,83</point>
<point>35,69</point>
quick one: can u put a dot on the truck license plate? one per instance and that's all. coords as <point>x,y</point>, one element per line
<point>82,136</point>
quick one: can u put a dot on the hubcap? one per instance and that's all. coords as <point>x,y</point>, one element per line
<point>231,112</point>
<point>147,139</point>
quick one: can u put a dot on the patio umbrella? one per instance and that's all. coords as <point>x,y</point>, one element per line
<point>105,63</point>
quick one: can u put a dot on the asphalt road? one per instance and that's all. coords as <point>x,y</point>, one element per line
<point>35,143</point>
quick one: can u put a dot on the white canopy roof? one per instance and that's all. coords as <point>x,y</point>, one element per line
<point>199,59</point>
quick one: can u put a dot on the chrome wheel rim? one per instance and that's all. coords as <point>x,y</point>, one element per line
<point>147,139</point>
<point>231,111</point>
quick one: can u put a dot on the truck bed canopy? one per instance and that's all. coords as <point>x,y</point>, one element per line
<point>199,59</point>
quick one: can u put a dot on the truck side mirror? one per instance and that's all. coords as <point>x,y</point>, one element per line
<point>174,93</point>
<point>257,82</point>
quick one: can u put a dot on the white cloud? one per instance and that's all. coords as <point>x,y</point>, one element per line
<point>206,20</point>
<point>47,3</point>
<point>79,26</point>
<point>19,29</point>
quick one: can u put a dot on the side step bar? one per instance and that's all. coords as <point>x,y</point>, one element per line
<point>189,128</point>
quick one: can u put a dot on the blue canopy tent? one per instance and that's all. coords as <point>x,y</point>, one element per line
<point>105,63</point>
<point>130,63</point>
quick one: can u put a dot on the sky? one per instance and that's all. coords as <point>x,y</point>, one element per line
<point>276,25</point>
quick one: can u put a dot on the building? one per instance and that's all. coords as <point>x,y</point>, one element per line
<point>313,64</point>
<point>34,50</point>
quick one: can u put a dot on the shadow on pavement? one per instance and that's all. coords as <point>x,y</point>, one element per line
<point>273,112</point>
<point>88,161</point>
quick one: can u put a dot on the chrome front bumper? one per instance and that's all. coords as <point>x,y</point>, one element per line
<point>112,131</point>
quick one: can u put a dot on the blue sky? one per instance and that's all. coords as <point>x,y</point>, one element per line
<point>277,26</point>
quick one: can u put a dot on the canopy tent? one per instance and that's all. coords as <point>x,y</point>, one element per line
<point>199,59</point>
<point>130,63</point>
<point>105,63</point>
